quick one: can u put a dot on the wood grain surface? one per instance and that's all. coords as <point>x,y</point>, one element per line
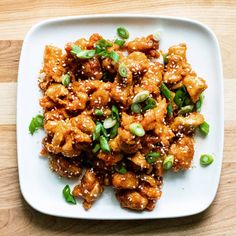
<point>16,217</point>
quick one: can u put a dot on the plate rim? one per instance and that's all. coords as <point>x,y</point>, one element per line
<point>40,24</point>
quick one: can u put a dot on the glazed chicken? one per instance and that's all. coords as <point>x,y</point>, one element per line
<point>117,112</point>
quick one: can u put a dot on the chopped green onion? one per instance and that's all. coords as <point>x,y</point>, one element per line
<point>123,32</point>
<point>36,123</point>
<point>109,122</point>
<point>114,130</point>
<point>204,128</point>
<point>98,112</point>
<point>169,110</point>
<point>168,162</point>
<point>103,44</point>
<point>137,129</point>
<point>206,159</point>
<point>75,49</point>
<point>86,54</point>
<point>150,104</point>
<point>121,169</point>
<point>104,131</point>
<point>97,131</point>
<point>199,103</point>
<point>96,148</point>
<point>165,91</point>
<point>65,79</point>
<point>165,58</point>
<point>157,36</point>
<point>140,97</point>
<point>187,101</point>
<point>123,71</point>
<point>152,157</point>
<point>104,144</point>
<point>186,109</point>
<point>179,97</point>
<point>114,56</point>
<point>136,108</point>
<point>67,195</point>
<point>120,42</point>
<point>115,112</point>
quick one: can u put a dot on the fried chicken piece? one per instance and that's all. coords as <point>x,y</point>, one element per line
<point>125,181</point>
<point>154,116</point>
<point>195,86</point>
<point>188,123</point>
<point>55,114</point>
<point>165,134</point>
<point>143,44</point>
<point>84,122</point>
<point>152,78</point>
<point>125,142</point>
<point>139,160</point>
<point>183,151</point>
<point>177,67</point>
<point>89,189</point>
<point>91,68</point>
<point>110,158</point>
<point>53,61</point>
<point>57,92</point>
<point>132,200</point>
<point>65,167</point>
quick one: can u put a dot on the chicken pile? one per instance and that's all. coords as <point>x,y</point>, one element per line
<point>75,113</point>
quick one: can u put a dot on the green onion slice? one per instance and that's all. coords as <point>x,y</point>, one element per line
<point>140,97</point>
<point>206,159</point>
<point>67,195</point>
<point>199,103</point>
<point>204,128</point>
<point>75,49</point>
<point>157,36</point>
<point>165,91</point>
<point>114,56</point>
<point>104,144</point>
<point>168,162</point>
<point>186,109</point>
<point>169,110</point>
<point>109,122</point>
<point>97,131</point>
<point>65,79</point>
<point>150,104</point>
<point>123,71</point>
<point>36,123</point>
<point>115,112</point>
<point>98,112</point>
<point>120,42</point>
<point>86,54</point>
<point>121,169</point>
<point>152,157</point>
<point>96,148</point>
<point>165,58</point>
<point>123,32</point>
<point>137,129</point>
<point>136,108</point>
<point>180,96</point>
<point>114,130</point>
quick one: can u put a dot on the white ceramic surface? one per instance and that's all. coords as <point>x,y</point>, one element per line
<point>184,193</point>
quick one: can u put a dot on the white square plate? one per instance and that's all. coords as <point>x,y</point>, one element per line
<point>184,193</point>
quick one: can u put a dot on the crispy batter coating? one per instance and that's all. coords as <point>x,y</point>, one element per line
<point>132,200</point>
<point>125,181</point>
<point>195,86</point>
<point>183,151</point>
<point>66,167</point>
<point>89,189</point>
<point>103,79</point>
